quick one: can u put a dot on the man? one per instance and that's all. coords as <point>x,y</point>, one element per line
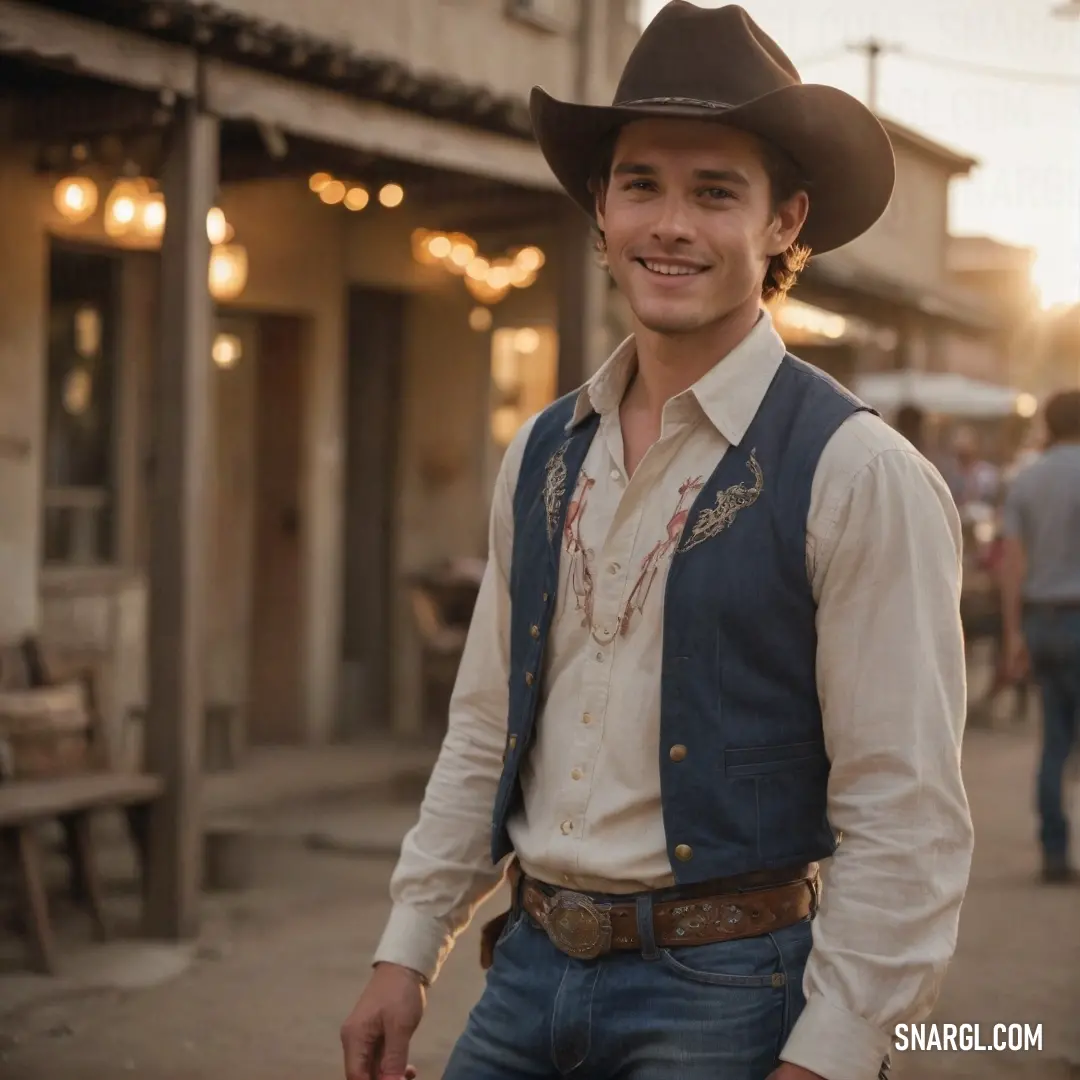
<point>718,628</point>
<point>971,478</point>
<point>1040,589</point>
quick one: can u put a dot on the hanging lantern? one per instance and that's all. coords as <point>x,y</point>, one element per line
<point>218,230</point>
<point>228,271</point>
<point>227,351</point>
<point>124,206</point>
<point>75,198</point>
<point>150,221</point>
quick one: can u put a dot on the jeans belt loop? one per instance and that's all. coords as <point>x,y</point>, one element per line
<point>646,928</point>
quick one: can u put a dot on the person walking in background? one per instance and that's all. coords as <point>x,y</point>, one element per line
<point>1040,584</point>
<point>971,479</point>
<point>745,645</point>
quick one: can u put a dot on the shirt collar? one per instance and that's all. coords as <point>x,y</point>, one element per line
<point>729,393</point>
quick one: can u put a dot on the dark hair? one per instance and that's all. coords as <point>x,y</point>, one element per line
<point>1062,416</point>
<point>785,179</point>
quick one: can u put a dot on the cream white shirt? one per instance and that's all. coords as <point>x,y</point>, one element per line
<point>883,560</point>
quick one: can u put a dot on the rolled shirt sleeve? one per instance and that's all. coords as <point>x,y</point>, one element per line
<point>445,871</point>
<point>891,679</point>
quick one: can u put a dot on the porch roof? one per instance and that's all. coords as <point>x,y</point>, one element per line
<point>246,40</point>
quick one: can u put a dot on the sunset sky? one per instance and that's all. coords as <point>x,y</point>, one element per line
<point>1025,132</point>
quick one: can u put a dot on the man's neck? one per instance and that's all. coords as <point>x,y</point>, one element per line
<point>668,364</point>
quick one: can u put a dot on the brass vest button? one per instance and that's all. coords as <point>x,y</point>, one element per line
<point>684,852</point>
<point>677,752</point>
<point>534,631</point>
<point>528,678</point>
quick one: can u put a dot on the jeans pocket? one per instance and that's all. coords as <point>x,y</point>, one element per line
<point>743,964</point>
<point>513,925</point>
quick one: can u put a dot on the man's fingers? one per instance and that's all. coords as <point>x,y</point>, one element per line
<point>358,1045</point>
<point>394,1062</point>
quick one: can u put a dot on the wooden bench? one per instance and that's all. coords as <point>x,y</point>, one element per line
<point>27,804</point>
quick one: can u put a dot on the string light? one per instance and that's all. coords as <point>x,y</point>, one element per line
<point>356,198</point>
<point>391,195</point>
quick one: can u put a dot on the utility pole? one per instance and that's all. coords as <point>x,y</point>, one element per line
<point>873,50</point>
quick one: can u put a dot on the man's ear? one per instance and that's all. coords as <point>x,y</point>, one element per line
<point>599,197</point>
<point>788,222</point>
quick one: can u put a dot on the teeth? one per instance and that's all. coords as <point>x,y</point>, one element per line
<point>663,268</point>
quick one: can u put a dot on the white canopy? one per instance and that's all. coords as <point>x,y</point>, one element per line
<point>936,392</point>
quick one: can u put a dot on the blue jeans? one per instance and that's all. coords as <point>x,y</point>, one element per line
<point>1053,639</point>
<point>699,1012</point>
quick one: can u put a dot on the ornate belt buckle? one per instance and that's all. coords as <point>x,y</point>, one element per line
<point>578,927</point>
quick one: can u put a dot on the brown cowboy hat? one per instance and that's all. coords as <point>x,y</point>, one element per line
<point>717,64</point>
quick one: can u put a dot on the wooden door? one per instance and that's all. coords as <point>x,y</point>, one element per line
<point>277,615</point>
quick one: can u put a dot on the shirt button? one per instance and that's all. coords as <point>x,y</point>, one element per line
<point>615,474</point>
<point>567,827</point>
<point>576,774</point>
<point>613,568</point>
<point>684,852</point>
<point>587,718</point>
<point>677,753</point>
<point>599,657</point>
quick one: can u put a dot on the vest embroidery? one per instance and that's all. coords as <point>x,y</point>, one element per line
<point>580,558</point>
<point>554,488</point>
<point>713,521</point>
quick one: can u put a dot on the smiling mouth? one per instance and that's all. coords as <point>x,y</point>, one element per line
<point>670,269</point>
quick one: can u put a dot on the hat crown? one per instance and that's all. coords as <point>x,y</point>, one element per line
<point>714,55</point>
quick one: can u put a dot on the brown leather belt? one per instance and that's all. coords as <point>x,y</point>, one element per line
<point>585,927</point>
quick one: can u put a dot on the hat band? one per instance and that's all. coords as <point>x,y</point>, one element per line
<point>697,102</point>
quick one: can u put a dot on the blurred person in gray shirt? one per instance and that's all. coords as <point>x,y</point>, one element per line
<point>1040,589</point>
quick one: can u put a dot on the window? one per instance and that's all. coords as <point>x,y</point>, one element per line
<point>79,522</point>
<point>524,373</point>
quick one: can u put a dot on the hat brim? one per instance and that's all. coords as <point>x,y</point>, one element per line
<point>838,143</point>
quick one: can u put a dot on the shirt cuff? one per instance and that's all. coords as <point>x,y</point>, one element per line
<point>414,940</point>
<point>835,1043</point>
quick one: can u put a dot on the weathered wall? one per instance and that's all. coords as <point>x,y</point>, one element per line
<point>908,242</point>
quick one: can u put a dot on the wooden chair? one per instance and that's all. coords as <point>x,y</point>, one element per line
<point>32,793</point>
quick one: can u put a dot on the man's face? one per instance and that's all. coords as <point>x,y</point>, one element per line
<point>689,222</point>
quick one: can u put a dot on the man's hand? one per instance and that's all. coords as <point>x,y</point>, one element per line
<point>787,1071</point>
<point>375,1037</point>
<point>1015,661</point>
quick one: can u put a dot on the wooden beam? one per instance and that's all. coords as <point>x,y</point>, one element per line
<point>237,93</point>
<point>583,302</point>
<point>88,47</point>
<point>178,527</point>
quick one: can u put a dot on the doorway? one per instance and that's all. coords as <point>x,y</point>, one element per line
<point>376,321</point>
<point>277,613</point>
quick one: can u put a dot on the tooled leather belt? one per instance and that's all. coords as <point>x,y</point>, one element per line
<point>585,927</point>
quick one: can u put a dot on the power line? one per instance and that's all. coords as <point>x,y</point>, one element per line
<point>873,50</point>
<point>988,70</point>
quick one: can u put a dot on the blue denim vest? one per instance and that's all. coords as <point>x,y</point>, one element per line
<point>745,789</point>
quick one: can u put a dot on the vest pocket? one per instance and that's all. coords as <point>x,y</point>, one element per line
<point>784,788</point>
<point>761,760</point>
